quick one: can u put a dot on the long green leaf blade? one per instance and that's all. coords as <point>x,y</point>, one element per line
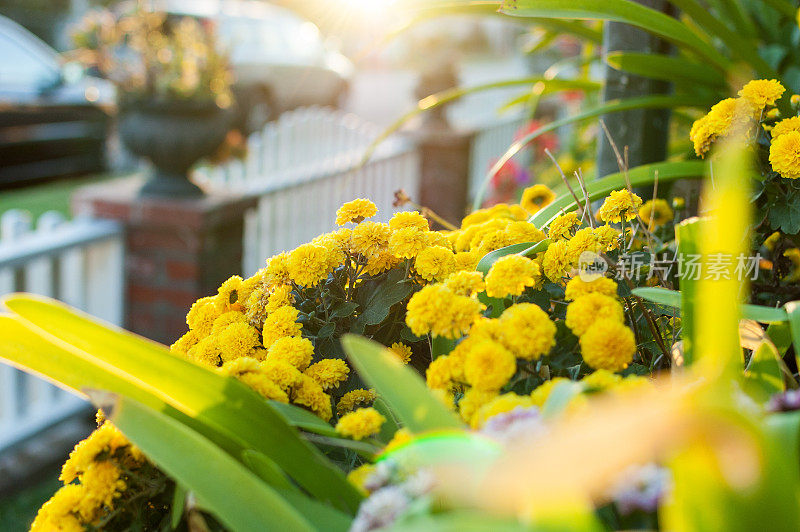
<point>221,484</point>
<point>666,67</point>
<point>401,387</point>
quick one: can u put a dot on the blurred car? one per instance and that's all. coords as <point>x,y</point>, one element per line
<point>54,119</point>
<point>279,60</point>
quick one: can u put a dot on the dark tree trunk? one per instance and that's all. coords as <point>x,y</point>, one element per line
<point>643,131</point>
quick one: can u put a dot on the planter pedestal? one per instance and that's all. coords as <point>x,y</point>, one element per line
<point>176,250</point>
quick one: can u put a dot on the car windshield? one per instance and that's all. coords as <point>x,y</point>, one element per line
<point>23,67</point>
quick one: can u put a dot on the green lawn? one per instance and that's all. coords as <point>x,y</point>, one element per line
<point>17,511</point>
<point>48,196</point>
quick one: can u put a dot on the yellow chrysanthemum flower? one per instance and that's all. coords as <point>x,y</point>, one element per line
<point>282,322</point>
<point>277,270</point>
<point>403,220</point>
<point>528,331</point>
<point>584,311</point>
<point>370,238</point>
<point>466,260</point>
<point>521,232</point>
<point>784,154</point>
<point>607,237</point>
<point>402,351</point>
<point>771,240</point>
<point>472,401</point>
<point>583,240</point>
<point>337,243</point>
<point>439,376</point>
<point>206,352</point>
<point>227,318</point>
<point>577,287</point>
<point>619,204</point>
<point>59,513</point>
<point>601,380</point>
<point>294,350</point>
<point>281,373</point>
<point>183,344</point>
<point>407,242</point>
<point>536,197</point>
<point>358,476</point>
<point>360,424</point>
<point>308,264</point>
<point>380,262</point>
<point>465,283</point>
<point>437,311</point>
<point>786,125</point>
<point>556,264</point>
<point>608,344</point>
<point>510,275</point>
<point>435,263</point>
<point>329,372</point>
<point>656,213</point>
<point>561,227</point>
<point>106,439</point>
<point>308,393</point>
<point>238,339</point>
<point>355,211</point>
<point>489,365</point>
<point>201,316</point>
<point>762,92</point>
<point>354,398</point>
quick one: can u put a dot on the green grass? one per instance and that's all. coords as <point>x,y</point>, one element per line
<point>18,510</point>
<point>54,196</point>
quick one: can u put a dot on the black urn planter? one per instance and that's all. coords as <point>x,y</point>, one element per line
<point>173,136</point>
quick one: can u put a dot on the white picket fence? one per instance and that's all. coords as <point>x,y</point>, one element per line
<point>303,167</point>
<point>488,145</point>
<point>79,262</point>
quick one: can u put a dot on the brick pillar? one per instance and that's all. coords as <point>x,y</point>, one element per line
<point>176,250</point>
<point>444,157</point>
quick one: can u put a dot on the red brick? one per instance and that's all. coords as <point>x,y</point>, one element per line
<point>182,271</point>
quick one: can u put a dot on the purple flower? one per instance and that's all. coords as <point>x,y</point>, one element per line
<point>785,401</point>
<point>641,488</point>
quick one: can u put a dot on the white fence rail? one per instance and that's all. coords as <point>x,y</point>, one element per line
<point>303,167</point>
<point>79,262</point>
<point>488,145</point>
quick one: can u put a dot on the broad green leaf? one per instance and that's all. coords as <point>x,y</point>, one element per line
<point>687,236</point>
<point>400,386</point>
<point>793,311</point>
<point>392,290</point>
<point>611,106</point>
<point>619,11</point>
<point>266,470</point>
<point>221,484</point>
<point>303,419</point>
<point>462,521</point>
<point>228,412</point>
<point>178,506</point>
<point>441,346</point>
<point>763,376</point>
<point>784,429</point>
<point>600,188</point>
<point>673,298</point>
<point>667,67</point>
<point>739,47</point>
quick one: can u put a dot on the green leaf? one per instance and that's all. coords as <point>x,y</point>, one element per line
<point>793,311</point>
<point>600,188</point>
<point>266,470</point>
<point>392,290</point>
<point>672,298</point>
<point>763,376</point>
<point>784,430</point>
<point>400,386</point>
<point>784,212</point>
<point>178,505</point>
<point>619,11</point>
<point>667,67</point>
<point>221,408</point>
<point>217,480</point>
<point>460,520</point>
<point>303,419</point>
<point>441,346</point>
